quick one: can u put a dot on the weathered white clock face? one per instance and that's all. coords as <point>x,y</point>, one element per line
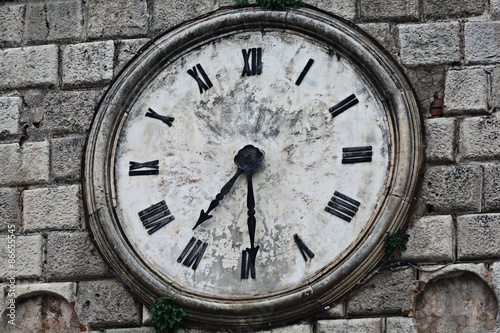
<point>306,132</point>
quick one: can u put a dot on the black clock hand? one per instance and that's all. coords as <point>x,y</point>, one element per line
<point>214,203</point>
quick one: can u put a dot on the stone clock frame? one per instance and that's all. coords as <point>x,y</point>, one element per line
<point>331,283</point>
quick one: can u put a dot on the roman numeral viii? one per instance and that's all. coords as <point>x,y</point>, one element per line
<point>197,248</point>
<point>342,206</point>
<point>155,217</point>
<point>255,67</point>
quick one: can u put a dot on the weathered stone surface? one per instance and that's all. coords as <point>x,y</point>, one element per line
<point>117,18</point>
<point>427,81</point>
<point>431,240</point>
<point>126,50</point>
<point>430,44</point>
<point>343,8</point>
<point>448,189</point>
<point>168,14</point>
<point>386,294</point>
<point>401,325</point>
<point>491,187</point>
<point>382,33</point>
<point>495,88</point>
<point>28,257</point>
<point>482,42</point>
<point>453,8</point>
<point>465,92</point>
<point>67,158</point>
<point>392,9</point>
<point>72,256</point>
<point>51,208</point>
<point>42,314</point>
<point>462,303</point>
<point>479,138</point>
<point>132,330</point>
<point>368,325</point>
<point>28,164</point>
<point>29,66</point>
<point>10,110</point>
<point>68,111</point>
<point>477,236</point>
<point>87,64</point>
<point>440,139</point>
<point>11,23</point>
<point>338,311</point>
<point>9,209</point>
<point>495,8</point>
<point>106,303</point>
<point>66,290</point>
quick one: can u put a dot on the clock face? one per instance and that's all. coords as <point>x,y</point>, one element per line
<point>253,161</point>
<point>326,148</point>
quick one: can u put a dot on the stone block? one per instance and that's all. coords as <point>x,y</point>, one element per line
<point>427,82</point>
<point>431,240</point>
<point>452,189</point>
<point>430,43</point>
<point>477,236</point>
<point>118,18</point>
<point>365,325</point>
<point>132,330</point>
<point>10,111</point>
<point>337,311</point>
<point>453,8</point>
<point>106,304</point>
<point>466,92</point>
<point>66,290</point>
<point>9,209</point>
<point>32,66</point>
<point>167,14</point>
<point>401,325</point>
<point>343,8</point>
<point>382,33</point>
<point>67,154</point>
<point>482,42</point>
<point>11,23</point>
<point>384,295</point>
<point>126,51</point>
<point>495,8</point>
<point>87,64</point>
<point>378,10</point>
<point>479,138</point>
<point>495,88</point>
<point>440,139</point>
<point>72,256</point>
<point>28,164</point>
<point>51,208</point>
<point>28,257</point>
<point>491,187</point>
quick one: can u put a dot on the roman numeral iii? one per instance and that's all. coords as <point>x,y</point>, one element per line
<point>156,217</point>
<point>255,67</point>
<point>197,248</point>
<point>202,85</point>
<point>342,206</point>
<point>356,154</point>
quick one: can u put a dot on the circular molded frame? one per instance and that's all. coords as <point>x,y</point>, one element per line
<point>331,283</point>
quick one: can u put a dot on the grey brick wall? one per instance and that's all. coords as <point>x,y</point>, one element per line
<point>58,57</point>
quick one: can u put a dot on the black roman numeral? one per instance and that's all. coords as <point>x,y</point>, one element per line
<point>248,262</point>
<point>256,64</point>
<point>152,114</point>
<point>197,248</point>
<point>155,217</point>
<point>356,154</point>
<point>343,105</point>
<point>151,166</point>
<point>342,206</point>
<point>202,85</point>
<point>304,250</point>
<point>304,72</point>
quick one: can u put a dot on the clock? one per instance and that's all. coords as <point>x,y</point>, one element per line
<point>255,160</point>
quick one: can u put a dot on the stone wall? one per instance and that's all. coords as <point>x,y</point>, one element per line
<point>57,59</point>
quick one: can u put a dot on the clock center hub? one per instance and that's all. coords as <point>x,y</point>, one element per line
<point>249,158</point>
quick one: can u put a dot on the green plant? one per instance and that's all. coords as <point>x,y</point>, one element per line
<point>272,4</point>
<point>166,316</point>
<point>241,2</point>
<point>393,240</point>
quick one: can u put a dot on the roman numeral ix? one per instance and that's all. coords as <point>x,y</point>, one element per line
<point>256,64</point>
<point>155,217</point>
<point>304,250</point>
<point>202,85</point>
<point>152,114</point>
<point>356,154</point>
<point>342,206</point>
<point>151,168</point>
<point>197,248</point>
<point>343,105</point>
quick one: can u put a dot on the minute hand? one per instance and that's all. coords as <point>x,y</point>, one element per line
<point>215,202</point>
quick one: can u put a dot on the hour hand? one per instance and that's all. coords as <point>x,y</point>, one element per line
<point>215,202</point>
